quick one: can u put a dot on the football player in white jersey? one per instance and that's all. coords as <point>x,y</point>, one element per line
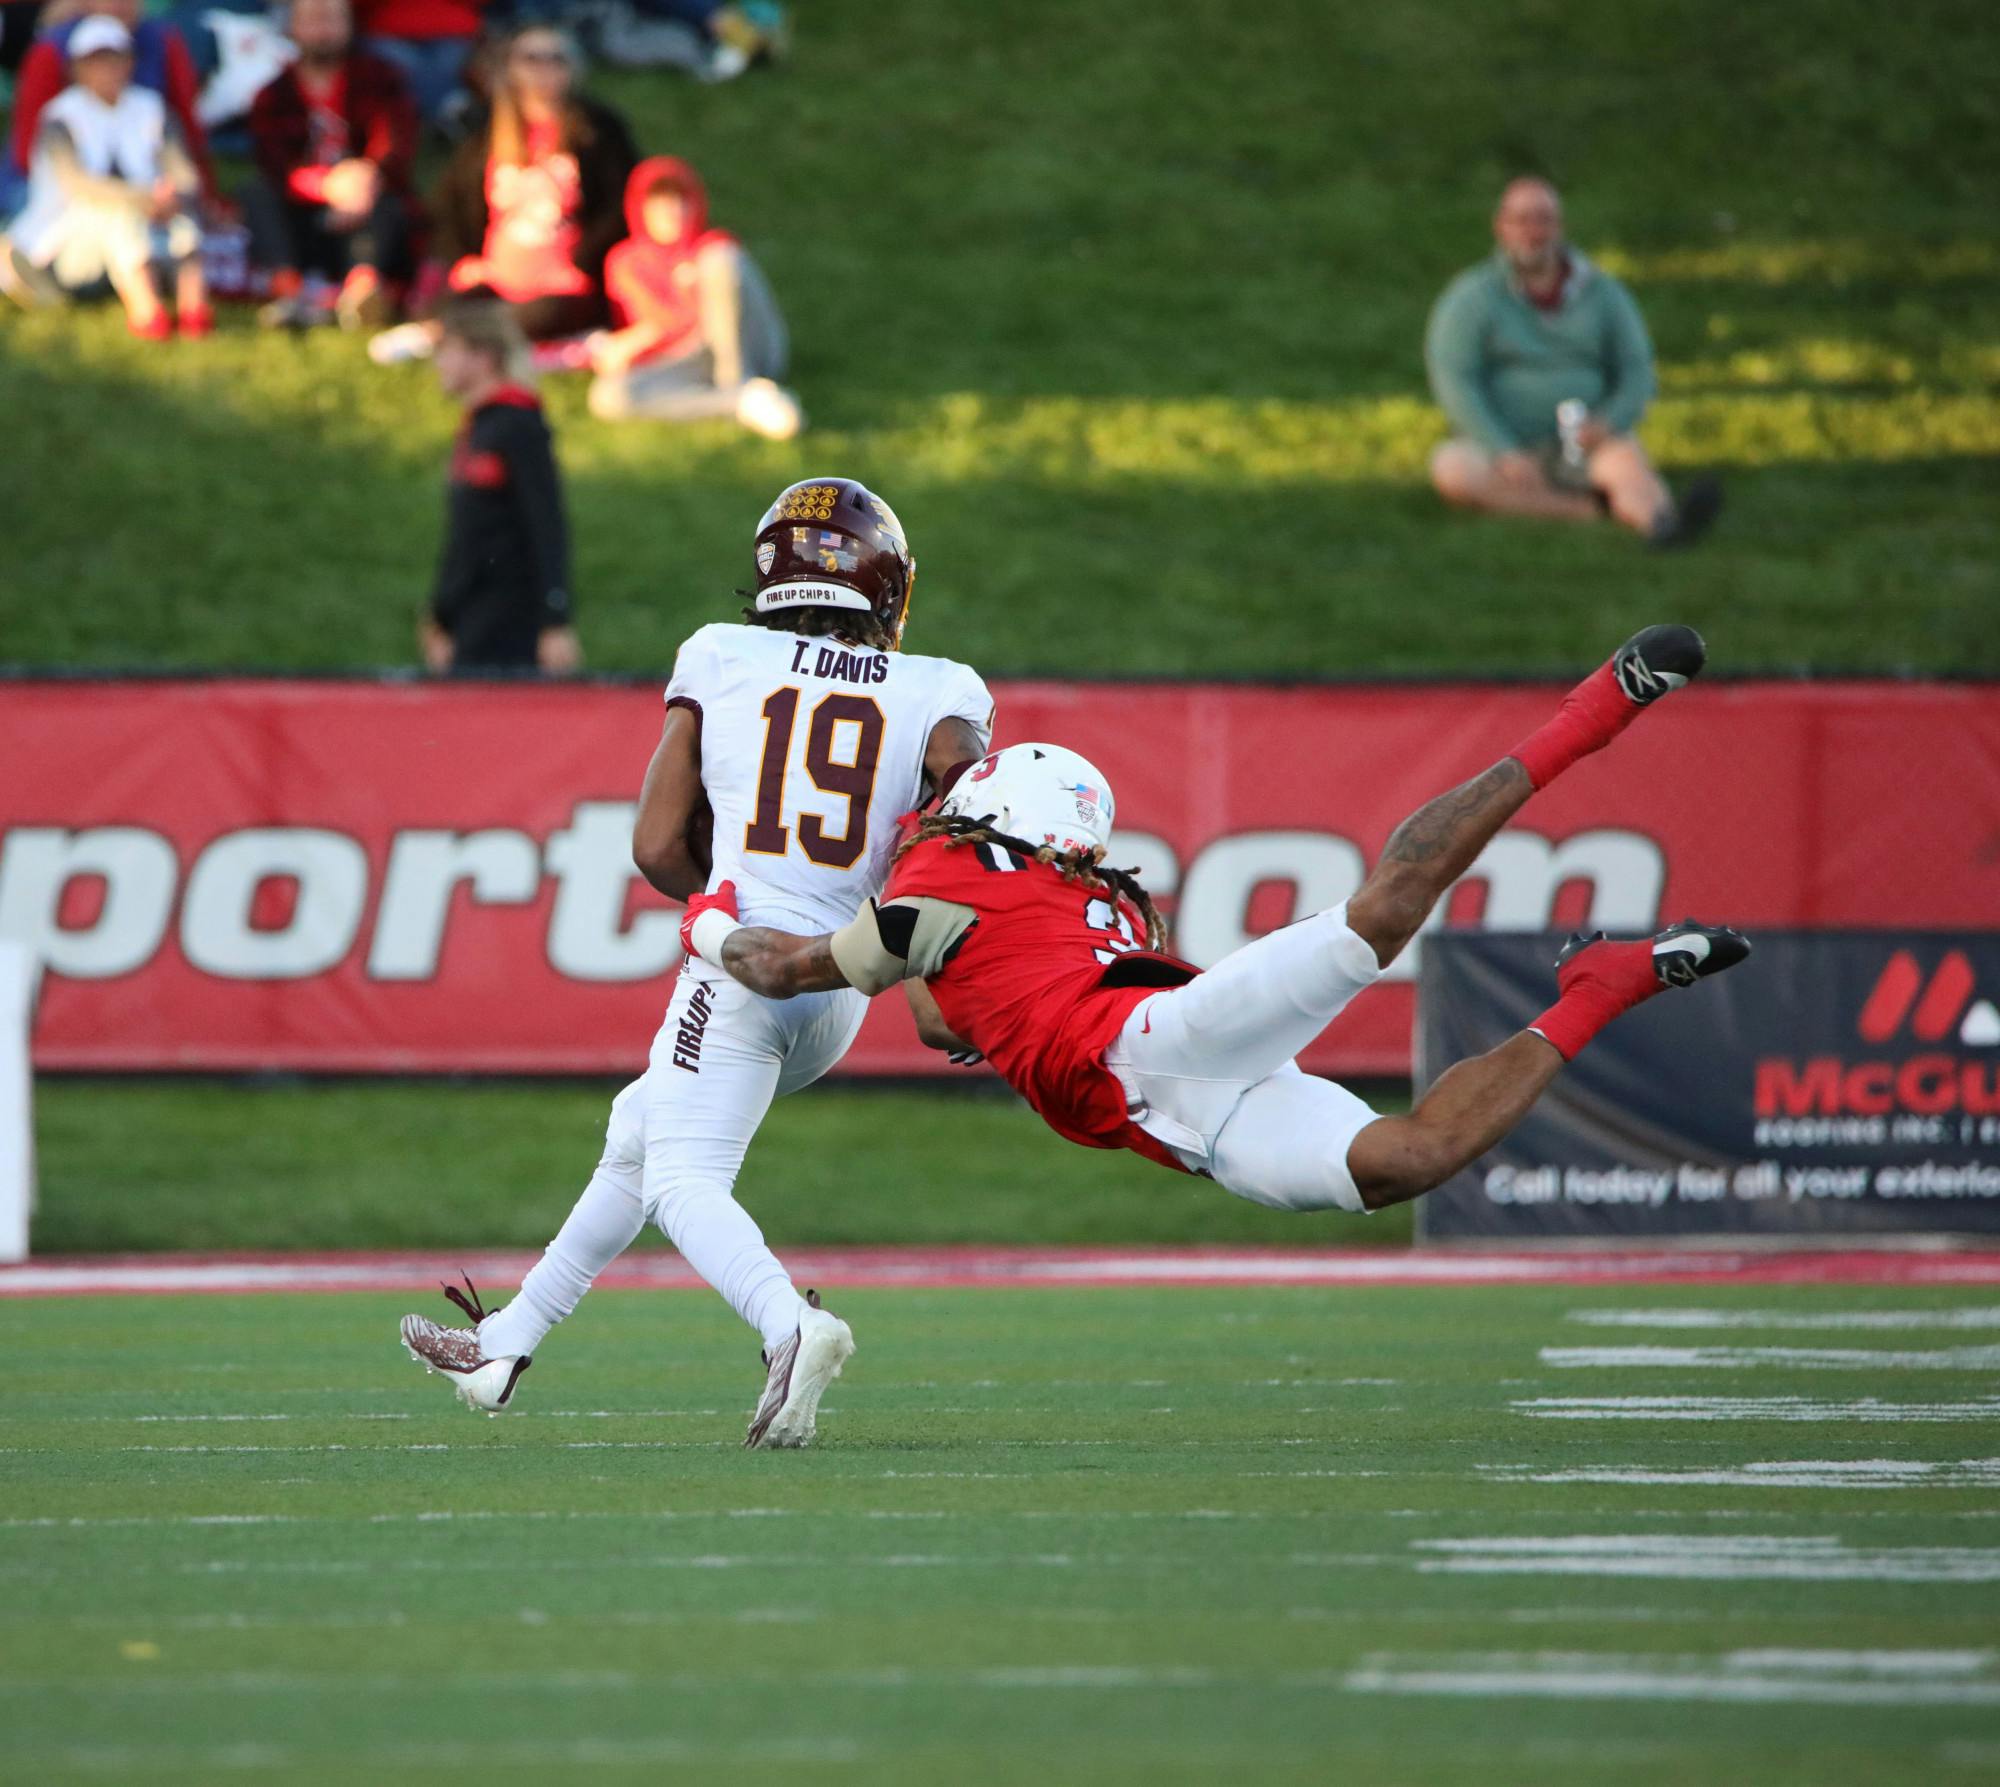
<point>807,733</point>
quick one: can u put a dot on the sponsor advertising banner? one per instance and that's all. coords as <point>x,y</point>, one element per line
<point>364,876</point>
<point>1846,1082</point>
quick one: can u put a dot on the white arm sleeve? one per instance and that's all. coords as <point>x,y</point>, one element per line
<point>909,939</point>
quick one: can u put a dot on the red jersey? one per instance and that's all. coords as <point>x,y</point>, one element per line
<point>533,221</point>
<point>650,281</point>
<point>1043,983</point>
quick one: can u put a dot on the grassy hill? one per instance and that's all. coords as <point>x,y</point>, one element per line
<point>1121,305</point>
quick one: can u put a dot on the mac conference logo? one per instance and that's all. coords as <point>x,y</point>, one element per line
<point>1921,1039</point>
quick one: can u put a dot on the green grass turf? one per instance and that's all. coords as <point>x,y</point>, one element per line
<point>1130,1537</point>
<point>1122,306</point>
<point>219,1165</point>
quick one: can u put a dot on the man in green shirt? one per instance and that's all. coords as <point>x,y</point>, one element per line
<point>1535,331</point>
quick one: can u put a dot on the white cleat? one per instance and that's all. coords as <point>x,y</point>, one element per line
<point>800,1371</point>
<point>482,1384</point>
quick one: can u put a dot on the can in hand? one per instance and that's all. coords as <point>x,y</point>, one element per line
<point>1570,418</point>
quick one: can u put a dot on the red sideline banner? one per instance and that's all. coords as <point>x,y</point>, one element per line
<point>382,877</point>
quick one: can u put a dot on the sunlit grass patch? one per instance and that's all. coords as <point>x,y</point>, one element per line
<point>1832,261</point>
<point>1833,363</point>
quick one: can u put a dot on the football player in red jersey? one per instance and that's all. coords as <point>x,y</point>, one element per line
<point>1019,944</point>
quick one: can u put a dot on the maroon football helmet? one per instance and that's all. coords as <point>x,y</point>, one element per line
<point>833,543</point>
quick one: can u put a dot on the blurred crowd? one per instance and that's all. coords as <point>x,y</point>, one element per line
<point>547,241</point>
<point>606,260</point>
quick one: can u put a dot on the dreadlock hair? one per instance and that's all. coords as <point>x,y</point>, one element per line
<point>849,625</point>
<point>1085,867</point>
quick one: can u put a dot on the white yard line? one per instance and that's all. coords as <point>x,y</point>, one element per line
<point>1785,1473</point>
<point>1867,1662</point>
<point>1738,1358</point>
<point>273,1761</point>
<point>1788,1319</point>
<point>1031,1677</point>
<point>1168,1559</point>
<point>1752,1408</point>
<point>1636,1682</point>
<point>1871,1679</point>
<point>1708,1558</point>
<point>664,1516</point>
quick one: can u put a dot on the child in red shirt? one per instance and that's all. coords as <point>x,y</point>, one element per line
<point>699,333</point>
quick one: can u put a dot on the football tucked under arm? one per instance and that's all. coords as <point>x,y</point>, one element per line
<point>700,839</point>
<point>671,838</point>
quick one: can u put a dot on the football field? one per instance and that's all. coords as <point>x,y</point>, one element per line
<point>1560,1533</point>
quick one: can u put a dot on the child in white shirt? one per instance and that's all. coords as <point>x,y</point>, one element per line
<point>111,193</point>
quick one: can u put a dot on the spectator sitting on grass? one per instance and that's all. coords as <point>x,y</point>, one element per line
<point>111,194</point>
<point>701,336</point>
<point>530,206</point>
<point>429,41</point>
<point>335,136</point>
<point>501,601</point>
<point>1535,328</point>
<point>161,64</point>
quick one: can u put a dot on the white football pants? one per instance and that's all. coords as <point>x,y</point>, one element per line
<point>1209,1071</point>
<point>674,1146</point>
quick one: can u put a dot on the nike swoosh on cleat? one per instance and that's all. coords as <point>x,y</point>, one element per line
<point>1657,661</point>
<point>1643,684</point>
<point>1688,952</point>
<point>1694,944</point>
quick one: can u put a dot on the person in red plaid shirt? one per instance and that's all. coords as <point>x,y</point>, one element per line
<point>335,136</point>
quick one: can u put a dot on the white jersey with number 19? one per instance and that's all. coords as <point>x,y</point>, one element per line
<point>811,750</point>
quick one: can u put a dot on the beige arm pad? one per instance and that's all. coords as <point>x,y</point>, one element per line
<point>864,956</point>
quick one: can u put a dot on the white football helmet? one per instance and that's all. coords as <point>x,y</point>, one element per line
<point>1041,794</point>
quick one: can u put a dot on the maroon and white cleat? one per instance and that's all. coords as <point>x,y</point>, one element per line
<point>454,1353</point>
<point>798,1372</point>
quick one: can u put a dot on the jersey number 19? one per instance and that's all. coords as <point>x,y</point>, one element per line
<point>851,777</point>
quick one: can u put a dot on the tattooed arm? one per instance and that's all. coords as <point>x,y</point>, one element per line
<point>779,965</point>
<point>880,946</point>
<point>1429,851</point>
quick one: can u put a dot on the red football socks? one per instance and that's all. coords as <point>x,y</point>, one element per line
<point>1591,716</point>
<point>1597,984</point>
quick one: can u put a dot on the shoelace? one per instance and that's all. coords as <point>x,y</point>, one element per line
<point>475,1309</point>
